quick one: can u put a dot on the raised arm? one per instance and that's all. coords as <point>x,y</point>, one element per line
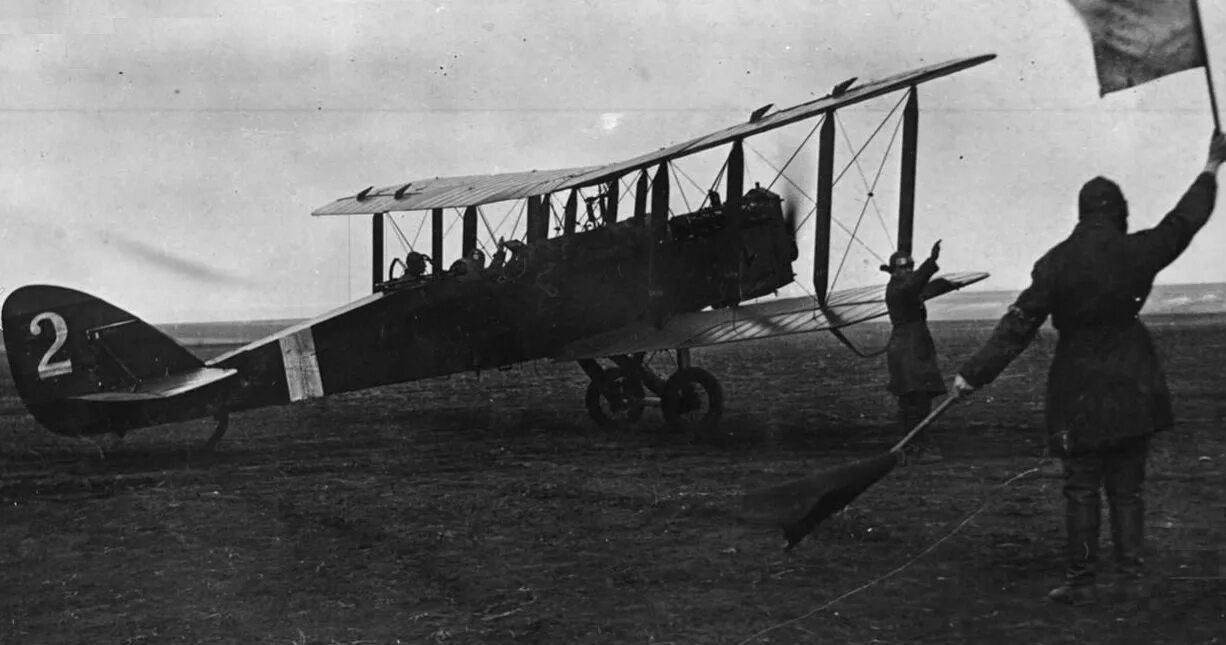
<point>924,272</point>
<point>1162,244</point>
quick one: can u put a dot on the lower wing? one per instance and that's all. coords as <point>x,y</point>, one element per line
<point>781,317</point>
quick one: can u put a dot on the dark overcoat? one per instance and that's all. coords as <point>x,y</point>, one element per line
<point>911,355</point>
<point>1106,381</point>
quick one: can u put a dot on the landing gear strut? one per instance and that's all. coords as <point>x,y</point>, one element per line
<point>691,399</point>
<point>222,416</point>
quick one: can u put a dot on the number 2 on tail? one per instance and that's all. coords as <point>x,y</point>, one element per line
<point>46,368</point>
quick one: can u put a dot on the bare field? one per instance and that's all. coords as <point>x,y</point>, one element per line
<point>488,509</point>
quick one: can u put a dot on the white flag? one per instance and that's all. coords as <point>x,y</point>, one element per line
<point>1139,40</point>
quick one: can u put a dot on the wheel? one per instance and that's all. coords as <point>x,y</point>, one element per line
<point>692,401</point>
<point>627,403</point>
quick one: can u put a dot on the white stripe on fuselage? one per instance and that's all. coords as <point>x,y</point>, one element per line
<point>301,365</point>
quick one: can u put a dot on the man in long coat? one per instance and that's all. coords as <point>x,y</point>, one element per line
<point>1106,391</point>
<point>910,354</point>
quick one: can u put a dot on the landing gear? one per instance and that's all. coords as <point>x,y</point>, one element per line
<point>221,414</point>
<point>691,399</point>
<point>618,399</point>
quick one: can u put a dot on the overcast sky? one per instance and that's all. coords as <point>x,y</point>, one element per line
<point>166,155</point>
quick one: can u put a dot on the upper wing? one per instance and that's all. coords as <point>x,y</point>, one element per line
<point>450,192</point>
<point>762,320</point>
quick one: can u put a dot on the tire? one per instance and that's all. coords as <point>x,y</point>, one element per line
<point>684,395</point>
<point>629,410</point>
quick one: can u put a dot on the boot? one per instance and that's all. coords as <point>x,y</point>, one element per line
<point>1081,523</point>
<point>1124,478</point>
<point>1127,536</point>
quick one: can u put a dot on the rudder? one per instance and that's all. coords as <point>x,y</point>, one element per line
<point>64,344</point>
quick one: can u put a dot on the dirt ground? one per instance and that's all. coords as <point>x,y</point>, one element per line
<point>488,509</point>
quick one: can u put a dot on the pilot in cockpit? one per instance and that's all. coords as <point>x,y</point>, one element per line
<point>415,265</point>
<point>470,267</point>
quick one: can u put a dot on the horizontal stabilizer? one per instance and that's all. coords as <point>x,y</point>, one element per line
<point>163,388</point>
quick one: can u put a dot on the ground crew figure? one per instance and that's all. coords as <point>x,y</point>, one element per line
<point>1106,391</point>
<point>911,355</point>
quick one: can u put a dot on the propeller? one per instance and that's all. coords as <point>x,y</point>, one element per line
<point>792,199</point>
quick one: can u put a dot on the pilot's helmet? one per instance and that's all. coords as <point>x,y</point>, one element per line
<point>898,260</point>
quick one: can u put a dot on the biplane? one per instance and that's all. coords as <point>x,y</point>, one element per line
<point>602,291</point>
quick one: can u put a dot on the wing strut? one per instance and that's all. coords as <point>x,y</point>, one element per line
<point>906,211</point>
<point>659,271</point>
<point>376,246</point>
<point>906,199</point>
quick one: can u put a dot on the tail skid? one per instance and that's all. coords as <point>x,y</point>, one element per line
<point>83,366</point>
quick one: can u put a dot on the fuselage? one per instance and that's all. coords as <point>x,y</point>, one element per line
<point>529,306</point>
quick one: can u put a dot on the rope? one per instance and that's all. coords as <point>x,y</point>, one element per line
<point>966,520</point>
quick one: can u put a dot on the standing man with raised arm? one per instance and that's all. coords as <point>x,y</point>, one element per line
<point>1106,390</point>
<point>911,356</point>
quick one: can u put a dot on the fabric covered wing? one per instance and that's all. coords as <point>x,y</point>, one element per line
<point>454,192</point>
<point>781,317</point>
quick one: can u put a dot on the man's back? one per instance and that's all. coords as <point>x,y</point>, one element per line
<point>1100,276</point>
<point>1106,382</point>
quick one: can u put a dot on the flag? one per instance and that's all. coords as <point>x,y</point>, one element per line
<point>1139,40</point>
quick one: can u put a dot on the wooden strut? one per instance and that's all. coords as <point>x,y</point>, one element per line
<point>222,417</point>
<point>1204,52</point>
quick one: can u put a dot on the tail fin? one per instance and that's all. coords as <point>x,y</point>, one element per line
<point>84,366</point>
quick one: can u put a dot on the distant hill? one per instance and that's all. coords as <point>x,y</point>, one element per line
<point>1171,299</point>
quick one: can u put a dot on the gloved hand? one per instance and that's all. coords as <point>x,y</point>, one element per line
<point>961,387</point>
<point>936,251</point>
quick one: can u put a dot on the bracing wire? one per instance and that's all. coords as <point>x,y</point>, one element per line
<point>870,138</point>
<point>507,214</point>
<point>719,176</point>
<point>417,235</point>
<point>680,188</point>
<point>796,152</point>
<point>523,207</point>
<point>553,212</point>
<point>864,180</point>
<point>399,233</point>
<point>813,209</point>
<point>868,200</point>
<point>450,226</point>
<point>493,238</point>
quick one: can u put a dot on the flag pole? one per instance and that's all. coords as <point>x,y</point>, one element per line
<point>1204,52</point>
